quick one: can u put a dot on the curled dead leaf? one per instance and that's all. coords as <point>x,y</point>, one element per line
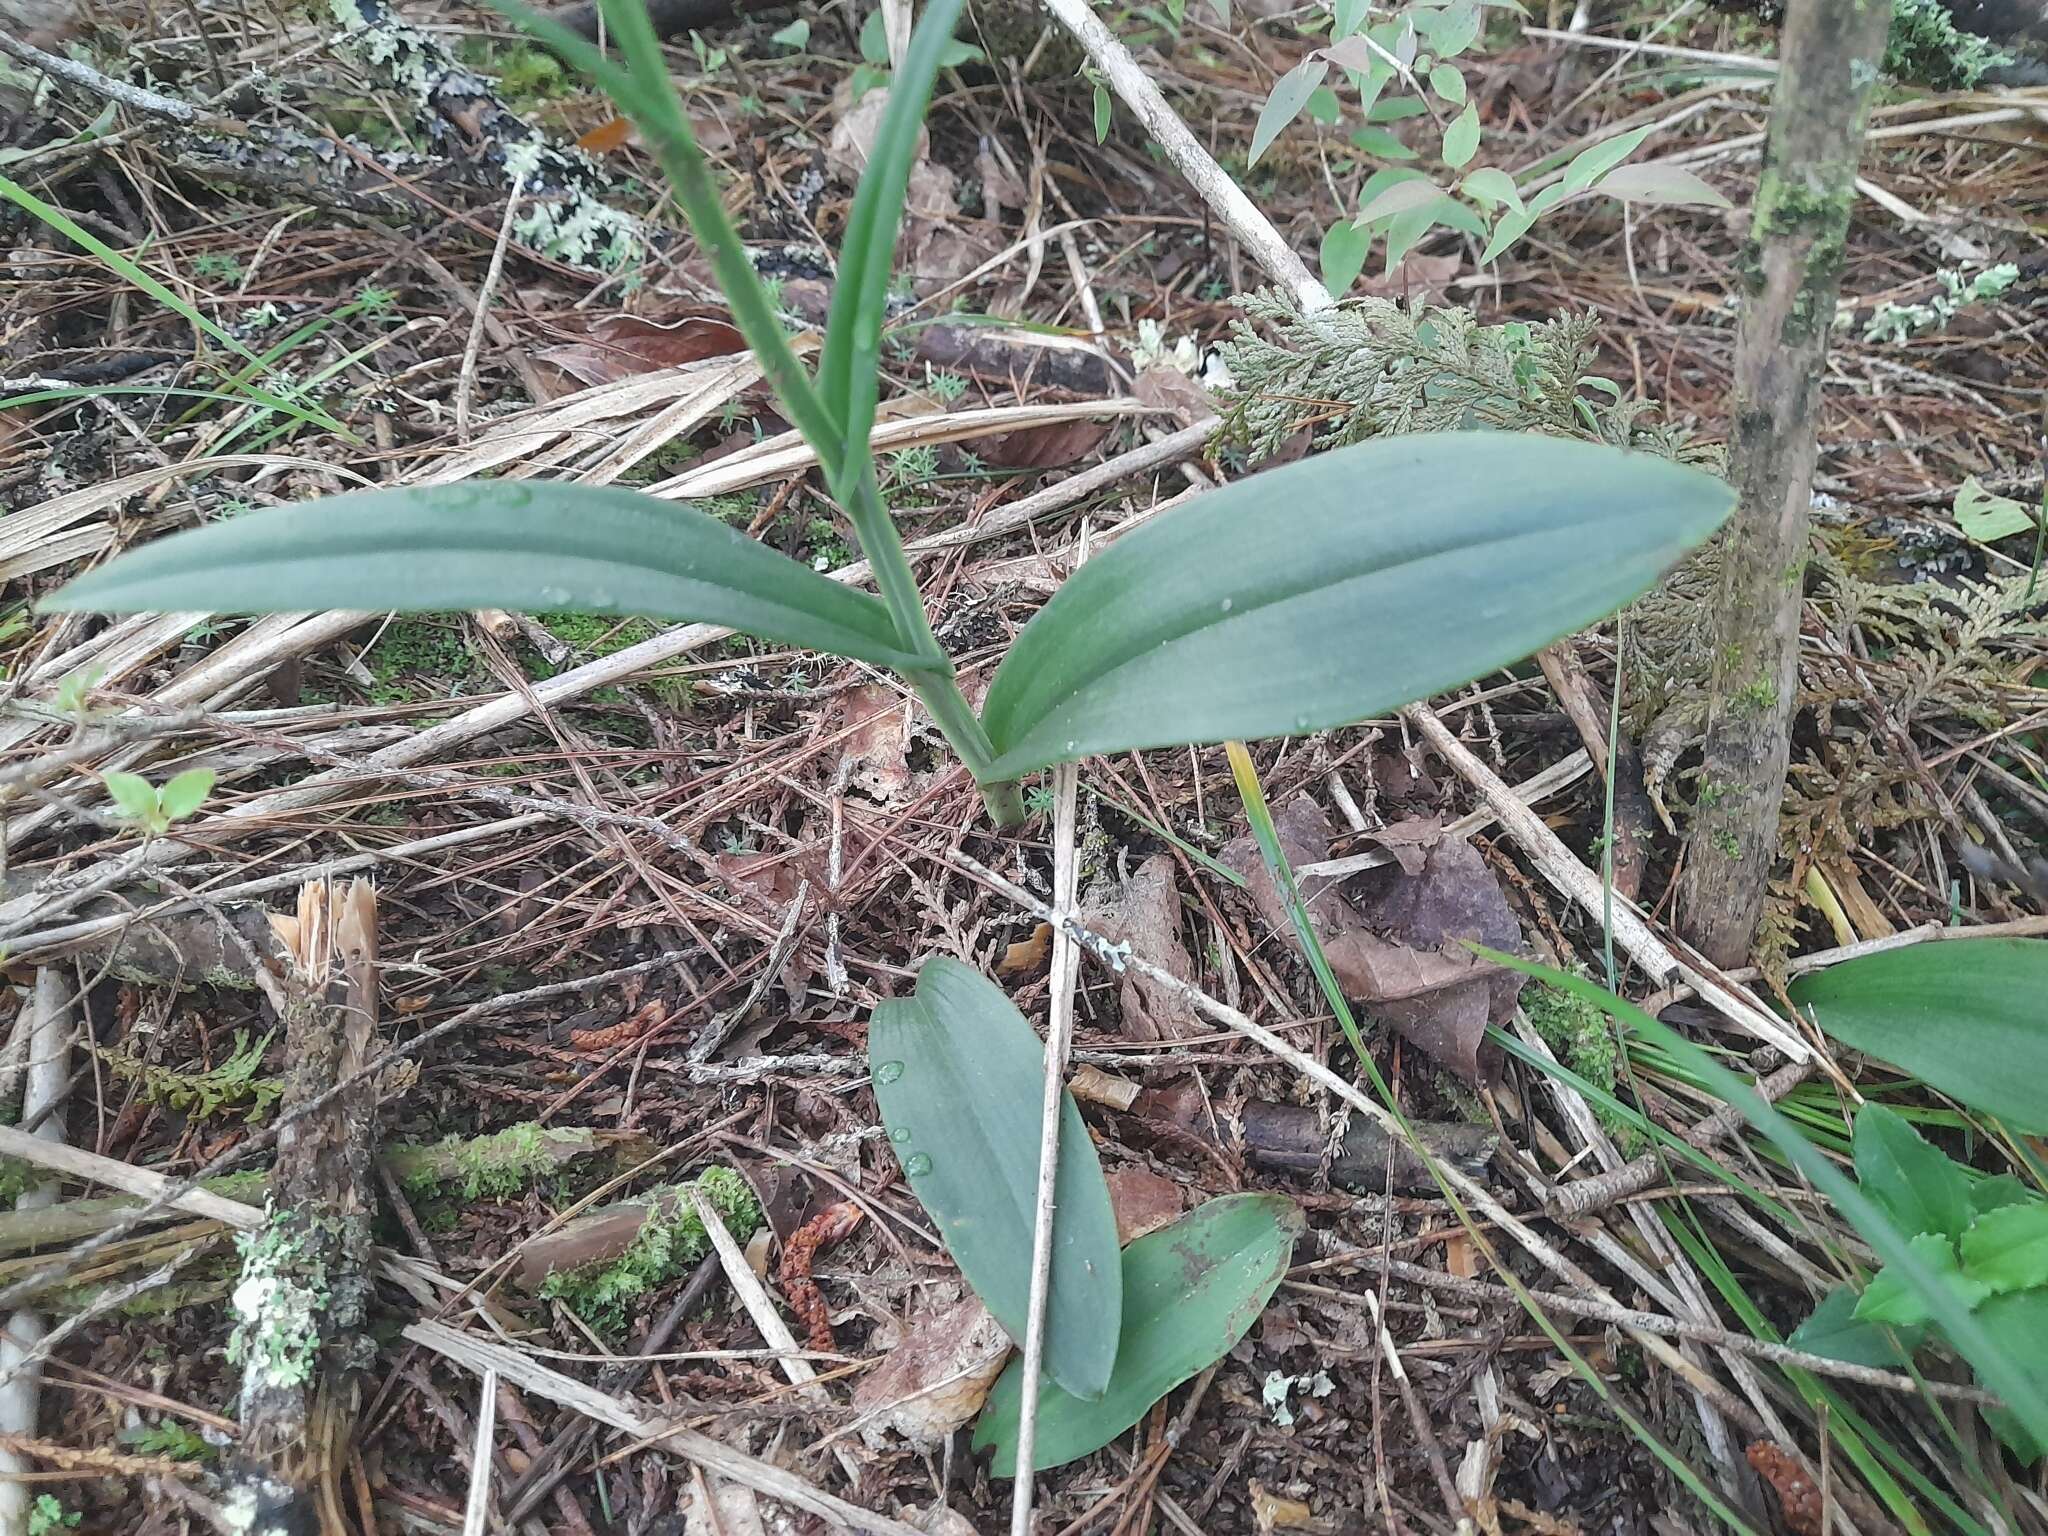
<point>1028,953</point>
<point>936,1379</point>
<point>606,348</point>
<point>1144,912</point>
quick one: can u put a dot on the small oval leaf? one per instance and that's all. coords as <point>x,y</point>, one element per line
<point>1964,1017</point>
<point>1190,1292</point>
<point>1461,139</point>
<point>958,1075</point>
<point>1320,592</point>
<point>499,544</point>
<point>1290,94</point>
<point>1912,1179</point>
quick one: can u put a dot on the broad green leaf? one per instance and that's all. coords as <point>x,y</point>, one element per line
<point>1833,1330</point>
<point>1190,1292</point>
<point>134,795</point>
<point>1997,1192</point>
<point>1315,594</point>
<point>1349,16</point>
<point>874,39</point>
<point>527,546</point>
<point>1403,196</point>
<point>2007,1249</point>
<point>959,1075</point>
<point>1892,1298</point>
<point>1343,255</point>
<point>1290,94</point>
<point>1512,227</point>
<point>1381,144</point>
<point>1461,139</point>
<point>1448,81</point>
<point>1994,1350</point>
<point>849,364</point>
<point>185,793</point>
<point>1395,109</point>
<point>1916,1183</point>
<point>1964,1017</point>
<point>1661,184</point>
<point>1987,517</point>
<point>1590,164</point>
<point>1102,109</point>
<point>1322,105</point>
<point>795,35</point>
<point>1450,30</point>
<point>1490,186</point>
<point>2018,1325</point>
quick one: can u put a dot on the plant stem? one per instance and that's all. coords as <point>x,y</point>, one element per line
<point>949,710</point>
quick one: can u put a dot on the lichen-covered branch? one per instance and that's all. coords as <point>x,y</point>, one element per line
<point>1791,271</point>
<point>302,1302</point>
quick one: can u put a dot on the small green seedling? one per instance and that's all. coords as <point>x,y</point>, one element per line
<point>154,807</point>
<point>48,1515</point>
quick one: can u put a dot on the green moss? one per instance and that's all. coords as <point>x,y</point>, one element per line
<point>1927,47</point>
<point>494,1167</point>
<point>1727,844</point>
<point>1584,1040</point>
<point>416,659</point>
<point>527,76</point>
<point>670,1240</point>
<point>1757,697</point>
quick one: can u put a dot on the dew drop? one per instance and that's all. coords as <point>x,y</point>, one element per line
<point>1301,722</point>
<point>1226,605</point>
<point>888,1072</point>
<point>1072,745</point>
<point>900,1135</point>
<point>917,1165</point>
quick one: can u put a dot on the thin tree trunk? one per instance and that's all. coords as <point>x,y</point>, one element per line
<point>1827,58</point>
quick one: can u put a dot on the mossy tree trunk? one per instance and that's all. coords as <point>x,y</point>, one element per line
<point>1827,59</point>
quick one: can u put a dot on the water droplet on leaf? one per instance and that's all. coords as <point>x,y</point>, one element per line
<point>900,1135</point>
<point>917,1165</point>
<point>1226,605</point>
<point>888,1072</point>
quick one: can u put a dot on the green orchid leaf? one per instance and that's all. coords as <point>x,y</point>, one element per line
<point>958,1075</point>
<point>492,544</point>
<point>1919,1187</point>
<point>1316,594</point>
<point>1963,1017</point>
<point>849,366</point>
<point>1190,1292</point>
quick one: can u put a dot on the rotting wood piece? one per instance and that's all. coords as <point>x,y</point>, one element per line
<point>1296,1138</point>
<point>302,1304</point>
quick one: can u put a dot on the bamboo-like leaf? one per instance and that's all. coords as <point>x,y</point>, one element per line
<point>492,544</point>
<point>1964,1017</point>
<point>1190,1292</point>
<point>958,1074</point>
<point>1315,594</point>
<point>849,367</point>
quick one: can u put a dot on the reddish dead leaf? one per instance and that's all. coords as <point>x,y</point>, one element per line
<point>617,346</point>
<point>936,1379</point>
<point>1027,954</point>
<point>1171,390</point>
<point>1461,1257</point>
<point>1144,912</point>
<point>1796,1492</point>
<point>798,1254</point>
<point>1144,1202</point>
<point>1417,277</point>
<point>648,1016</point>
<point>608,137</point>
<point>1409,841</point>
<point>1053,445</point>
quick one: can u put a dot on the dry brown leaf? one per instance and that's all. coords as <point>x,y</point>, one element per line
<point>617,346</point>
<point>878,746</point>
<point>1052,446</point>
<point>1144,1202</point>
<point>1144,912</point>
<point>1431,988</point>
<point>1171,390</point>
<point>936,1379</point>
<point>1027,954</point>
<point>1274,1513</point>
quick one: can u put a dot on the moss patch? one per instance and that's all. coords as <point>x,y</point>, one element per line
<point>670,1240</point>
<point>1584,1040</point>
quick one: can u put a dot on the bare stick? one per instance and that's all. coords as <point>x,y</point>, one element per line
<point>1828,53</point>
<point>1066,965</point>
<point>49,1081</point>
